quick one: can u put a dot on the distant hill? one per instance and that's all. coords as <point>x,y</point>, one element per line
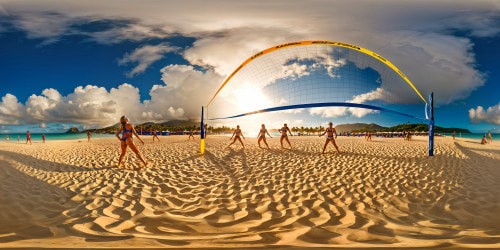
<point>363,127</point>
<point>172,125</point>
<point>358,127</point>
<point>180,123</point>
<point>73,130</point>
<point>425,127</point>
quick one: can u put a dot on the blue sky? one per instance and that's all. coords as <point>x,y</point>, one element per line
<point>85,64</point>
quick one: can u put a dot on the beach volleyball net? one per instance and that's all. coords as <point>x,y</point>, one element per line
<point>323,77</point>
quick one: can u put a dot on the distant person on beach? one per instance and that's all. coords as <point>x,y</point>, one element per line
<point>28,137</point>
<point>7,138</point>
<point>191,134</point>
<point>237,134</point>
<point>88,136</point>
<point>155,135</point>
<point>18,138</point>
<point>331,135</point>
<point>262,135</point>
<point>490,138</point>
<point>128,131</point>
<point>205,127</point>
<point>454,134</point>
<point>284,135</point>
<point>43,138</point>
<point>368,136</point>
<point>484,141</point>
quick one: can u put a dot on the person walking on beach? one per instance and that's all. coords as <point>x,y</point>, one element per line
<point>237,134</point>
<point>88,136</point>
<point>43,138</point>
<point>18,138</point>
<point>284,135</point>
<point>262,135</point>
<point>7,138</point>
<point>490,138</point>
<point>191,134</point>
<point>454,134</point>
<point>368,136</point>
<point>206,130</point>
<point>330,132</point>
<point>155,135</point>
<point>28,137</point>
<point>128,131</point>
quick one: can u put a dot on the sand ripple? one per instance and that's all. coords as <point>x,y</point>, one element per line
<point>385,192</point>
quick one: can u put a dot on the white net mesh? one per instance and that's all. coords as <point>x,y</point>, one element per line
<point>311,74</point>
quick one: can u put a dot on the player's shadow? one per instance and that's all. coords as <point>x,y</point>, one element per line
<point>46,165</point>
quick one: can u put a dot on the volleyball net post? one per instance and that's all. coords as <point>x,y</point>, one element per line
<point>202,133</point>
<point>431,124</point>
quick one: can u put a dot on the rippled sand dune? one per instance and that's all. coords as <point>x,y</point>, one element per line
<point>385,193</point>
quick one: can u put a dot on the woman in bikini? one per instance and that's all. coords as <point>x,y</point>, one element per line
<point>262,135</point>
<point>191,134</point>
<point>126,140</point>
<point>330,132</point>
<point>155,135</point>
<point>284,135</point>
<point>28,137</point>
<point>237,134</point>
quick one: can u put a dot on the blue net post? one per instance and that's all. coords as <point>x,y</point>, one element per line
<point>431,124</point>
<point>202,133</point>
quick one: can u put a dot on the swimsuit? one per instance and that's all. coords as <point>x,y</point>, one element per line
<point>237,135</point>
<point>124,138</point>
<point>283,135</point>
<point>328,136</point>
<point>263,133</point>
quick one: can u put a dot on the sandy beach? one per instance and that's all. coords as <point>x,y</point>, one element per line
<point>384,193</point>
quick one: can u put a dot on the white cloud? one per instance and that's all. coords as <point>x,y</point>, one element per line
<point>186,86</point>
<point>145,56</point>
<point>88,105</point>
<point>377,94</point>
<point>11,111</point>
<point>489,115</point>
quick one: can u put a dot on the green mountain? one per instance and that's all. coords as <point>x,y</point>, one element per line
<point>372,127</point>
<point>424,127</point>
<point>172,125</point>
<point>359,127</point>
<point>73,131</point>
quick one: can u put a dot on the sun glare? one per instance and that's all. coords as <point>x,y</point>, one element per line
<point>251,98</point>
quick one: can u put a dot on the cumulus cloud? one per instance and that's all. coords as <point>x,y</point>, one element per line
<point>88,105</point>
<point>489,115</point>
<point>11,110</point>
<point>375,95</point>
<point>145,56</point>
<point>183,84</point>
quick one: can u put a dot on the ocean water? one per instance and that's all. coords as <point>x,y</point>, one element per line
<point>51,137</point>
<point>475,136</point>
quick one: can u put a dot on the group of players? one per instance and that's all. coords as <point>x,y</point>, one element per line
<point>127,131</point>
<point>330,132</point>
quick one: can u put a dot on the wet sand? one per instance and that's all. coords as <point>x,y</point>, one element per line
<point>384,193</point>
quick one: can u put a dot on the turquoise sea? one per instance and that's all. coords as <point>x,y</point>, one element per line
<point>475,136</point>
<point>52,137</point>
